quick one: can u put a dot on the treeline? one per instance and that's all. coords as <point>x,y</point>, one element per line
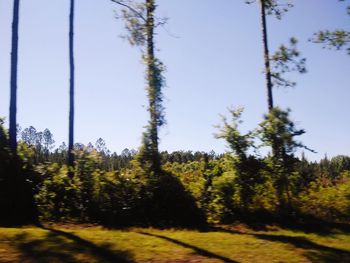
<point>41,145</point>
<point>193,189</point>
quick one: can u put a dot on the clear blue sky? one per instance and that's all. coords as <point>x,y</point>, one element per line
<point>214,61</point>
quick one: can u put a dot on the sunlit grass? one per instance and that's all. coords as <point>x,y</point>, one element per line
<point>237,244</point>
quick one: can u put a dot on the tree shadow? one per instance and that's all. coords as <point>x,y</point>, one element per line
<point>60,246</point>
<point>299,222</point>
<point>197,250</point>
<point>310,224</point>
<point>313,251</point>
<point>326,257</point>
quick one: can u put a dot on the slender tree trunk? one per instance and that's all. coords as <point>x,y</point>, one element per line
<point>13,82</point>
<point>266,56</point>
<point>267,68</point>
<point>152,84</point>
<point>71,85</point>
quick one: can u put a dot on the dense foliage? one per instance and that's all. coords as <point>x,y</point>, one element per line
<point>111,189</point>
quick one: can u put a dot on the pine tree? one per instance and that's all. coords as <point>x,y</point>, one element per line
<point>269,7</point>
<point>140,23</point>
<point>284,60</point>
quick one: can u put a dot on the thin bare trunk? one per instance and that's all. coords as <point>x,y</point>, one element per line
<point>13,82</point>
<point>266,56</point>
<point>71,86</point>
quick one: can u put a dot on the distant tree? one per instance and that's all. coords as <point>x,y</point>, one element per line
<point>19,130</point>
<point>48,140</point>
<point>60,154</point>
<point>103,151</point>
<point>71,86</point>
<point>39,145</point>
<point>125,153</point>
<point>90,147</point>
<point>100,146</point>
<point>338,39</point>
<point>62,148</point>
<point>13,85</point>
<point>29,135</point>
<point>41,142</point>
<point>78,146</point>
<point>140,23</point>
<point>340,163</point>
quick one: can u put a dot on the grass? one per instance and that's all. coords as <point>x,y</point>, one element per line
<point>221,244</point>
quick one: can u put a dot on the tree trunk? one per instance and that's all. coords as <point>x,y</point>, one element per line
<point>266,56</point>
<point>152,85</point>
<point>71,86</point>
<point>13,83</point>
<point>267,68</point>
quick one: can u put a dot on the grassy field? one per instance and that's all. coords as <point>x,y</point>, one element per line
<point>221,244</point>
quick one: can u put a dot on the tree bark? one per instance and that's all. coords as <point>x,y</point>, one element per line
<point>71,86</point>
<point>13,81</point>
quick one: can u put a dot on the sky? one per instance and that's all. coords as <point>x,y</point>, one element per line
<point>213,54</point>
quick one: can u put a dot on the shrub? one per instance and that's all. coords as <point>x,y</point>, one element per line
<point>330,203</point>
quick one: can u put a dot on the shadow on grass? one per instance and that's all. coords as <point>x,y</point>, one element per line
<point>60,246</point>
<point>294,221</point>
<point>197,250</point>
<point>313,251</point>
<point>310,225</point>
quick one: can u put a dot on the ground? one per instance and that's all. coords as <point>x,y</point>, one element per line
<point>238,243</point>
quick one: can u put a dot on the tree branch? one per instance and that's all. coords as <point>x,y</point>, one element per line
<point>130,8</point>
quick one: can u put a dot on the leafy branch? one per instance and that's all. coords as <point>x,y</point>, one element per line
<point>286,59</point>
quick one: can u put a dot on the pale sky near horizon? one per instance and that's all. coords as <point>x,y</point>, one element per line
<point>213,55</point>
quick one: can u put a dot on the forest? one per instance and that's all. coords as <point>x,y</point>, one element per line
<point>162,194</point>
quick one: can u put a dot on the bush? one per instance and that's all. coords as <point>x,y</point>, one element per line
<point>330,203</point>
<point>59,197</point>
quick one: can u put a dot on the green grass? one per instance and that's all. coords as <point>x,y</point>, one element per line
<point>234,244</point>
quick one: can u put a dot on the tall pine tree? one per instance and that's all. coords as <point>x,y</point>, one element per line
<point>140,23</point>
